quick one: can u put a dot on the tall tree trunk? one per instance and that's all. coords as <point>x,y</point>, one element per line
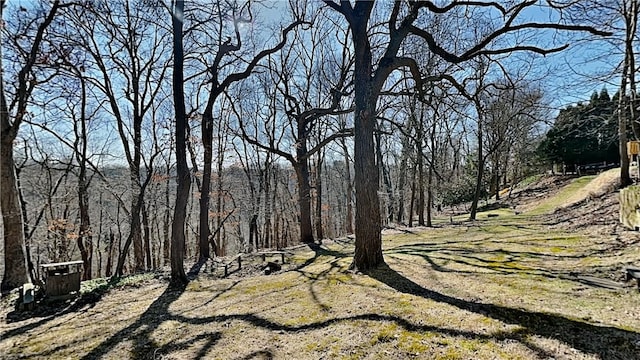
<point>166,245</point>
<point>497,178</point>
<point>480,163</point>
<point>368,247</point>
<point>135,230</point>
<point>15,265</point>
<point>301,167</point>
<point>266,230</point>
<point>273,216</point>
<point>631,27</point>
<point>147,236</point>
<point>429,196</point>
<point>412,200</point>
<point>205,198</point>
<point>101,222</point>
<point>112,240</point>
<point>304,201</point>
<point>85,237</point>
<point>431,171</point>
<point>349,197</point>
<point>386,179</point>
<point>118,221</point>
<point>253,232</point>
<point>156,229</point>
<point>319,232</point>
<point>136,226</point>
<point>31,269</point>
<point>628,74</point>
<point>402,179</point>
<point>420,146</point>
<point>219,246</point>
<point>421,199</point>
<point>178,276</point>
<point>625,177</point>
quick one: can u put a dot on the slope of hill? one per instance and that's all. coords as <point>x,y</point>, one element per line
<point>525,286</point>
<point>588,203</point>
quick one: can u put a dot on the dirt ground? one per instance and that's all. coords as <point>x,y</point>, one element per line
<point>543,280</point>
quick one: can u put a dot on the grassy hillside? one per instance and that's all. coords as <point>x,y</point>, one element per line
<point>497,288</point>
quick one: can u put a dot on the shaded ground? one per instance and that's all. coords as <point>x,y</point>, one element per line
<point>511,287</point>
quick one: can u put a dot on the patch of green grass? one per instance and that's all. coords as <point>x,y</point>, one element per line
<point>552,203</point>
<point>338,278</point>
<point>496,229</point>
<point>387,333</point>
<point>277,284</point>
<point>414,343</point>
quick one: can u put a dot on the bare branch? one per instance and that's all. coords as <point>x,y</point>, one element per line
<point>324,142</point>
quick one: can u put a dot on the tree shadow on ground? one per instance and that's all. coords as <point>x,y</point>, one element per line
<point>605,341</point>
<point>141,330</point>
<point>480,259</point>
<point>334,266</point>
<point>139,333</point>
<point>318,251</point>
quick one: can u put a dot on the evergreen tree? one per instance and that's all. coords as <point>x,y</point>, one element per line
<point>583,134</point>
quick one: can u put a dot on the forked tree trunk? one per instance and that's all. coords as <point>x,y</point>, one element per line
<point>135,233</point>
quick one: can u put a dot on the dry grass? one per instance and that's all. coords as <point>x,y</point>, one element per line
<point>602,184</point>
<point>497,288</point>
<point>570,194</point>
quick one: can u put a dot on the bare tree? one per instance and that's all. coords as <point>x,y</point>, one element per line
<point>127,51</point>
<point>302,77</point>
<point>621,17</point>
<point>13,110</point>
<point>178,276</point>
<point>371,74</point>
<point>629,12</point>
<point>229,43</point>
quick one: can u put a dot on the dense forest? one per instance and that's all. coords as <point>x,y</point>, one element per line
<point>138,135</point>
